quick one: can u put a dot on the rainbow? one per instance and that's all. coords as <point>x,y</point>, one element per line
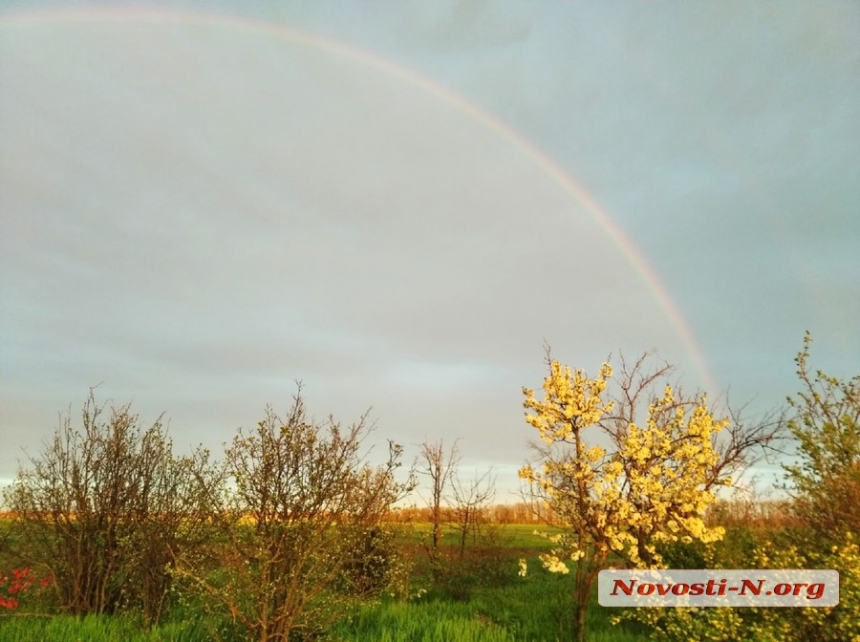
<point>600,215</point>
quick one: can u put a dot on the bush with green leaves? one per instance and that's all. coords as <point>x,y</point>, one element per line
<point>825,481</point>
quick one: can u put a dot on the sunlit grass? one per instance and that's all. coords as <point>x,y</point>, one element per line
<point>534,609</point>
<point>516,536</point>
<point>65,628</point>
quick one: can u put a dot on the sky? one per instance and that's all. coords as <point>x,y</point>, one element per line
<point>399,204</point>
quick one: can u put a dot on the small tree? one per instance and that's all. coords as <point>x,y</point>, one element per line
<point>652,485</point>
<point>438,467</point>
<point>470,502</point>
<point>301,506</point>
<point>103,510</point>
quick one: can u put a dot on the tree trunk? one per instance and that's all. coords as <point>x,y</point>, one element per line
<point>580,611</point>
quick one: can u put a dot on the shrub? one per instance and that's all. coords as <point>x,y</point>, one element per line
<point>103,509</point>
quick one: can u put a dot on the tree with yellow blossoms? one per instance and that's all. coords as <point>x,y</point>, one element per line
<point>651,480</point>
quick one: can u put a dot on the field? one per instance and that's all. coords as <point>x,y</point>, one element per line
<point>479,598</point>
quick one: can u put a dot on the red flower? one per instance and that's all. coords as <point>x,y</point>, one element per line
<point>22,580</point>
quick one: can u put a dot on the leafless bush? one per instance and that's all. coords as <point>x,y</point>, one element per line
<point>301,508</point>
<point>104,510</point>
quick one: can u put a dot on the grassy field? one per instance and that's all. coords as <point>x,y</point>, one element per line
<point>535,609</point>
<point>480,599</point>
<point>526,537</point>
<point>533,612</point>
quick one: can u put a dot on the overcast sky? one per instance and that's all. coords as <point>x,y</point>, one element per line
<point>399,202</point>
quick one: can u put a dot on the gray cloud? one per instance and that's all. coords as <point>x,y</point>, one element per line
<point>199,214</point>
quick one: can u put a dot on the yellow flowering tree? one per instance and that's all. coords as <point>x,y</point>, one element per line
<point>650,481</point>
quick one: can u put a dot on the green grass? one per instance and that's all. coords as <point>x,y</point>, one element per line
<point>515,536</point>
<point>534,609</point>
<point>64,628</point>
